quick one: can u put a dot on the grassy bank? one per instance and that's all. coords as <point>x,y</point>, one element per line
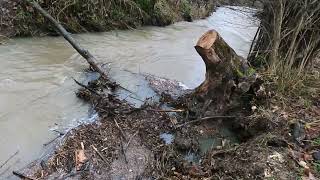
<point>286,53</point>
<point>18,19</point>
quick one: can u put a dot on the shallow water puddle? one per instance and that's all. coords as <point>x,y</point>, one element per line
<point>224,137</point>
<point>167,138</point>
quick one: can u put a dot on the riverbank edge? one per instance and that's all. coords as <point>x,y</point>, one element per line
<point>270,147</point>
<point>18,19</point>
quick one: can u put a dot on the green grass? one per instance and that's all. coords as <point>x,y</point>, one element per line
<point>291,82</point>
<point>316,142</point>
<point>316,165</point>
<point>97,15</point>
<point>146,5</point>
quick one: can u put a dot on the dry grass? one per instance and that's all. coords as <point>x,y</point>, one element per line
<point>287,46</point>
<point>289,33</point>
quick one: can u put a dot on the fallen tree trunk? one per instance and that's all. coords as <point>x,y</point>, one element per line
<point>83,52</point>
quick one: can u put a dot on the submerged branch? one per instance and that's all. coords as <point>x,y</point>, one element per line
<point>83,52</point>
<point>22,176</point>
<point>3,164</point>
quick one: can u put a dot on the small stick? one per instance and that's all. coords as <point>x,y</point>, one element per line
<point>22,176</point>
<point>6,170</point>
<point>135,98</point>
<point>51,141</point>
<point>124,137</point>
<point>127,145</point>
<point>126,89</point>
<point>3,164</point>
<point>57,131</point>
<point>206,105</point>
<point>100,155</point>
<point>169,110</point>
<point>133,110</point>
<point>124,152</point>
<point>119,128</point>
<point>86,87</point>
<point>206,118</point>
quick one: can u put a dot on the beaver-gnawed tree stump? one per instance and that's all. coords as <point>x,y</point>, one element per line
<point>228,75</point>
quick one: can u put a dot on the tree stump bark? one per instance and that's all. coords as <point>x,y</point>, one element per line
<point>226,72</point>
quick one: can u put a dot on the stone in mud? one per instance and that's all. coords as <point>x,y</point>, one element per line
<point>316,155</point>
<point>298,132</point>
<point>185,143</point>
<point>277,142</point>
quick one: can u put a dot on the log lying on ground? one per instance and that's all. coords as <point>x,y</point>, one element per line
<point>226,72</point>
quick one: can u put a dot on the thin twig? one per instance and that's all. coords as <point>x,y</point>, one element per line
<point>204,119</point>
<point>22,176</point>
<point>100,155</point>
<point>86,87</point>
<point>57,131</point>
<point>126,89</point>
<point>3,164</point>
<point>169,110</point>
<point>136,98</point>
<point>51,141</point>
<point>120,129</point>
<point>128,144</point>
<point>124,152</point>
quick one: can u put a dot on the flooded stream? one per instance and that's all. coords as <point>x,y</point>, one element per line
<point>37,90</point>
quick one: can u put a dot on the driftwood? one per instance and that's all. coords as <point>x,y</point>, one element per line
<point>83,52</point>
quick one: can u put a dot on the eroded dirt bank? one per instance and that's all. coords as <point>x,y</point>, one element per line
<point>19,19</point>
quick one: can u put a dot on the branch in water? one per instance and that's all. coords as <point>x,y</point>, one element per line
<point>83,52</point>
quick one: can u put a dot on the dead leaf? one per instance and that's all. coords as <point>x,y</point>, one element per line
<point>313,130</point>
<point>306,171</point>
<point>310,176</point>
<point>174,121</point>
<point>296,155</point>
<point>275,108</point>
<point>303,164</point>
<point>307,157</point>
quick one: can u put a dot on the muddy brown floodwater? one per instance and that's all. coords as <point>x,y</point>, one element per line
<point>37,91</point>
